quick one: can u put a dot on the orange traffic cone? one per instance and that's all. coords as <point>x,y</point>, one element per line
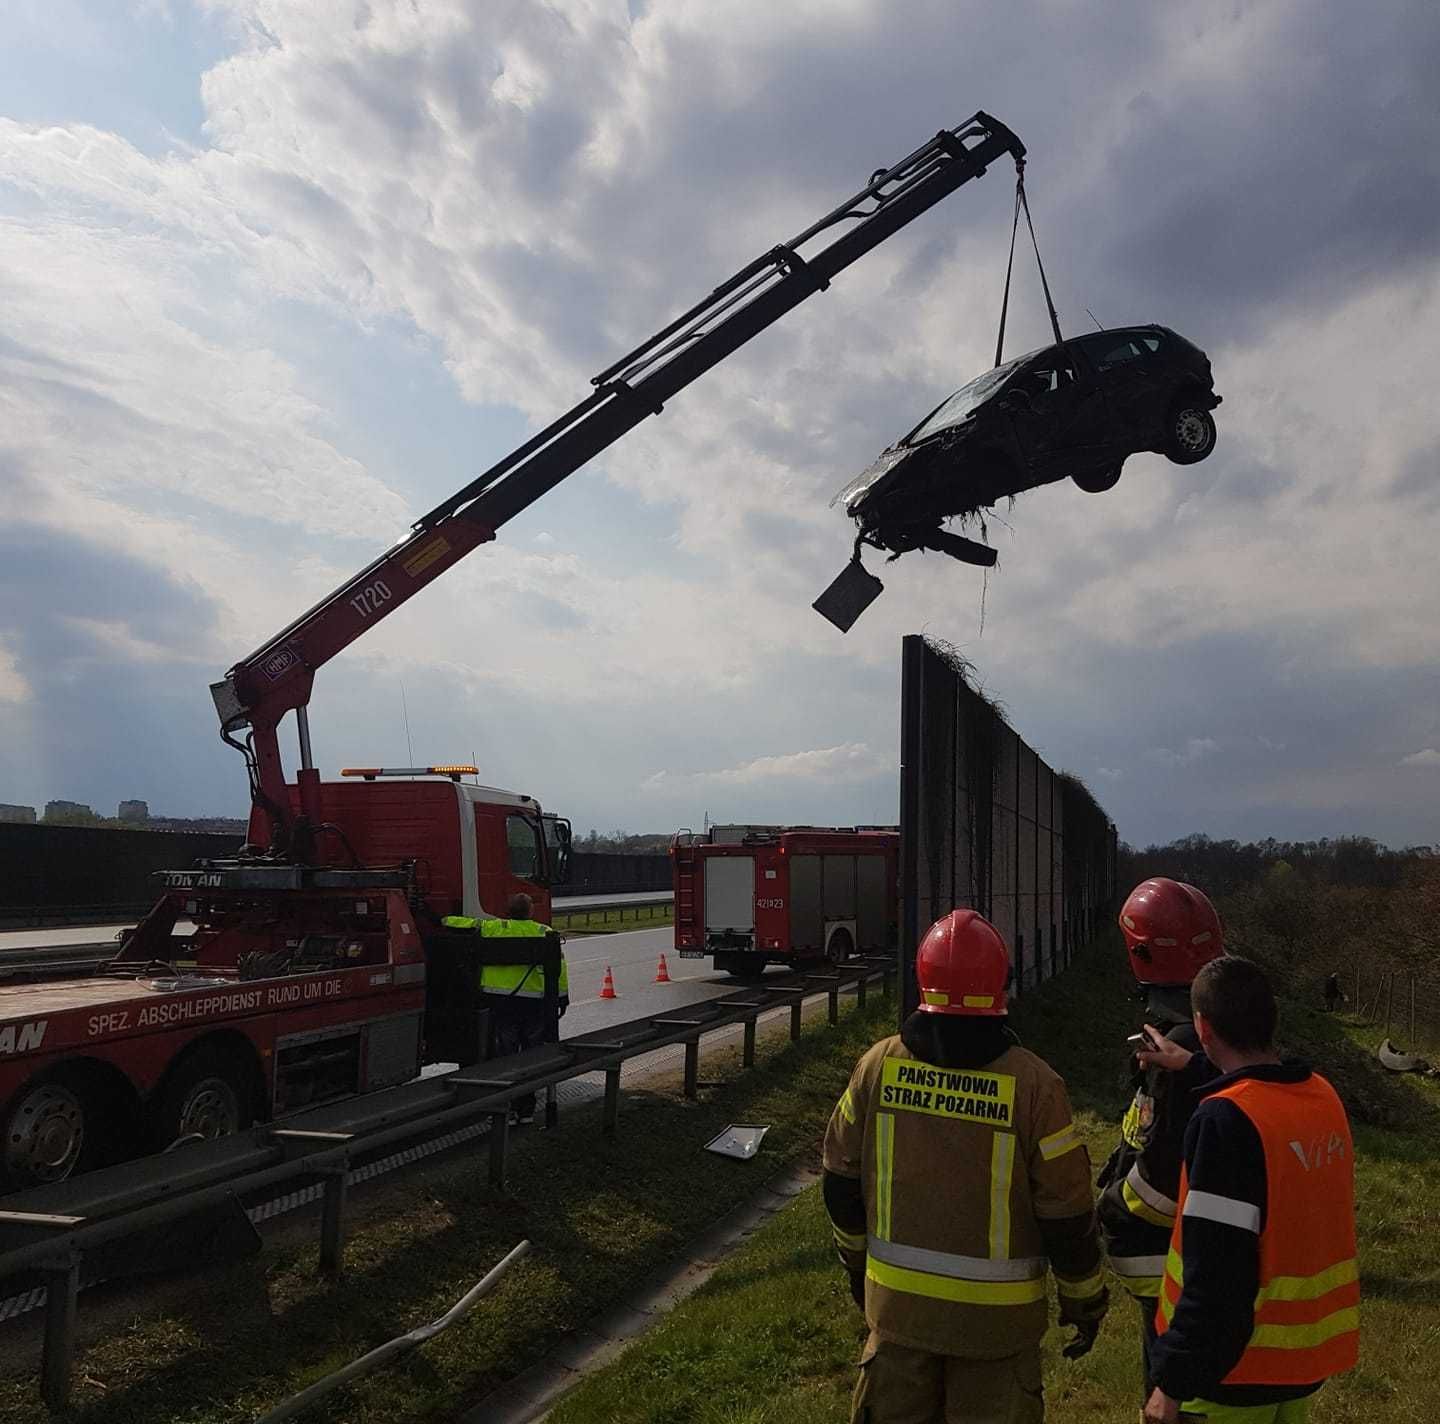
<point>662,974</point>
<point>607,989</point>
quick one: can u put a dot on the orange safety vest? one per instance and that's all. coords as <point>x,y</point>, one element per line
<point>1307,1318</point>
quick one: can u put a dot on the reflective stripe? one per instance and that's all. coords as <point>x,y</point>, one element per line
<point>1002,1166</point>
<point>967,1292</point>
<point>1310,1287</point>
<point>964,1268</point>
<point>1059,1143</point>
<point>846,1241</point>
<point>1138,1266</point>
<point>1091,1285</point>
<point>847,1107</point>
<point>1136,1207</point>
<point>1226,1210</point>
<point>1305,1337</point>
<point>884,1167</point>
<point>1156,1200</point>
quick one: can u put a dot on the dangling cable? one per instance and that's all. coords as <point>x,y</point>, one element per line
<point>1049,305</point>
<point>1010,261</point>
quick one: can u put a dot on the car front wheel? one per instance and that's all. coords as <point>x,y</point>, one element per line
<point>1189,433</point>
<point>1098,481</point>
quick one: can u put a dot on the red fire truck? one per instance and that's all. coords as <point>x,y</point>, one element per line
<point>313,963</point>
<point>759,895</point>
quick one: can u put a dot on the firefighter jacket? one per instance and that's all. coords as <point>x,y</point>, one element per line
<point>960,1169</point>
<point>523,980</point>
<point>1260,1298</point>
<point>1141,1179</point>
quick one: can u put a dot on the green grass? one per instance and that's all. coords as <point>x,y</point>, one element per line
<point>600,1215</point>
<point>773,1336</point>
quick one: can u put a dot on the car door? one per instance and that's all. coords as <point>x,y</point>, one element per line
<point>1131,378</point>
<point>1058,411</point>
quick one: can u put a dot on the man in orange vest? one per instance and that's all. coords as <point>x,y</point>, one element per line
<point>954,1178</point>
<point>1259,1300</point>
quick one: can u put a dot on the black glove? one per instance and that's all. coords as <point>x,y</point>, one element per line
<point>857,1287</point>
<point>1085,1315</point>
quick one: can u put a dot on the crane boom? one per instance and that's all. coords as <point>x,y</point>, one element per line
<point>277,677</point>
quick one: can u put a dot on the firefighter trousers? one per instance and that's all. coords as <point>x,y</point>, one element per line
<point>1292,1411</point>
<point>898,1385</point>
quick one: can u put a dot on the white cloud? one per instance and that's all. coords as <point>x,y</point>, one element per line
<point>1428,757</point>
<point>840,765</point>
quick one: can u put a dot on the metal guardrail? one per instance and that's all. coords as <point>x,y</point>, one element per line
<point>48,1231</point>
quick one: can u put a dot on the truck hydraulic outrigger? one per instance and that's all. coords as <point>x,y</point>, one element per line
<point>277,677</point>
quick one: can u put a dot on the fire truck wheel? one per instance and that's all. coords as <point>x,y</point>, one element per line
<point>839,947</point>
<point>44,1133</point>
<point>747,970</point>
<point>207,1096</point>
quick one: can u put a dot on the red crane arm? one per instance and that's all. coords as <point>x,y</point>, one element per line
<point>277,677</point>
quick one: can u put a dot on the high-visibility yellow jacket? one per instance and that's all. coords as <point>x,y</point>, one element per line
<point>958,1168</point>
<point>512,981</point>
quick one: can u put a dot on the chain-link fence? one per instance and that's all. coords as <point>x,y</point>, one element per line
<point>985,824</point>
<point>1404,1001</point>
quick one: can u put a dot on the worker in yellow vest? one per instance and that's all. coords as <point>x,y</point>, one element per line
<point>514,993</point>
<point>954,1177</point>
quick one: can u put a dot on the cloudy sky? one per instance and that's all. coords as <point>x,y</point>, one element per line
<point>277,276</point>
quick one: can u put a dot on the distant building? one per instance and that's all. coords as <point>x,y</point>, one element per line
<point>134,811</point>
<point>68,810</point>
<point>21,815</point>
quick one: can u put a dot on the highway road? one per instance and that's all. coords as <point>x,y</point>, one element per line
<point>69,935</point>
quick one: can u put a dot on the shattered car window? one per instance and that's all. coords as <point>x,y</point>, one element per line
<point>1114,350</point>
<point>963,402</point>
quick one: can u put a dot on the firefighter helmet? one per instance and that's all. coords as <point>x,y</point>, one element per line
<point>1170,930</point>
<point>962,966</point>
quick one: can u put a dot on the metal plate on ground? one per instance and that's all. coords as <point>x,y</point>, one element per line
<point>738,1140</point>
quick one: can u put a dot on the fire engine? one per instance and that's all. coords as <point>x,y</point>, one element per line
<point>759,895</point>
<point>312,964</point>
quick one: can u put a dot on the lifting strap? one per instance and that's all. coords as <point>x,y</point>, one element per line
<point>1022,202</point>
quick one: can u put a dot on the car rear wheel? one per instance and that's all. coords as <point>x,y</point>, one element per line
<point>1189,433</point>
<point>1098,481</point>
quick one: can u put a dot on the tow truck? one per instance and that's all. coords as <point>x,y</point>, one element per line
<point>313,964</point>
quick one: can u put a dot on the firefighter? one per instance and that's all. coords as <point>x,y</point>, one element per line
<point>1334,994</point>
<point>1171,930</point>
<point>953,1174</point>
<point>514,993</point>
<point>1260,1300</point>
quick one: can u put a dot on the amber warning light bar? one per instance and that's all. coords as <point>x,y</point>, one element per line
<point>371,772</point>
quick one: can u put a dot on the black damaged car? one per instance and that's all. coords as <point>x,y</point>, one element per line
<point>1076,410</point>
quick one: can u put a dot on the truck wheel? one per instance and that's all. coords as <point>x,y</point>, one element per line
<point>44,1134</point>
<point>748,971</point>
<point>1189,433</point>
<point>207,1096</point>
<point>838,948</point>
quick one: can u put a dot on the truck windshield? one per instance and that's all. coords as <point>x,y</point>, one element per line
<point>963,402</point>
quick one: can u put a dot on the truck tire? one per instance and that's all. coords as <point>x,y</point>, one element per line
<point>51,1132</point>
<point>207,1095</point>
<point>748,971</point>
<point>838,948</point>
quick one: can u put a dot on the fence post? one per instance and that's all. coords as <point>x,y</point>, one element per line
<point>1412,1011</point>
<point>62,1285</point>
<point>1389,1002</point>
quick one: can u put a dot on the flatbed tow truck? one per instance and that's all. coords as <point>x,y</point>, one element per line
<point>314,964</point>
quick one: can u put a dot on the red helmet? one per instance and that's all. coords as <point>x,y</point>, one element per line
<point>1170,930</point>
<point>962,966</point>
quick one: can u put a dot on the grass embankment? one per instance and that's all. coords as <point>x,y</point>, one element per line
<point>773,1337</point>
<point>600,1214</point>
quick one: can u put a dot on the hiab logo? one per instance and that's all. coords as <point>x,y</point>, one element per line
<point>1321,1152</point>
<point>22,1038</point>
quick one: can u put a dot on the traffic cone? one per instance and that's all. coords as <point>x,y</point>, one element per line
<point>662,974</point>
<point>607,989</point>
